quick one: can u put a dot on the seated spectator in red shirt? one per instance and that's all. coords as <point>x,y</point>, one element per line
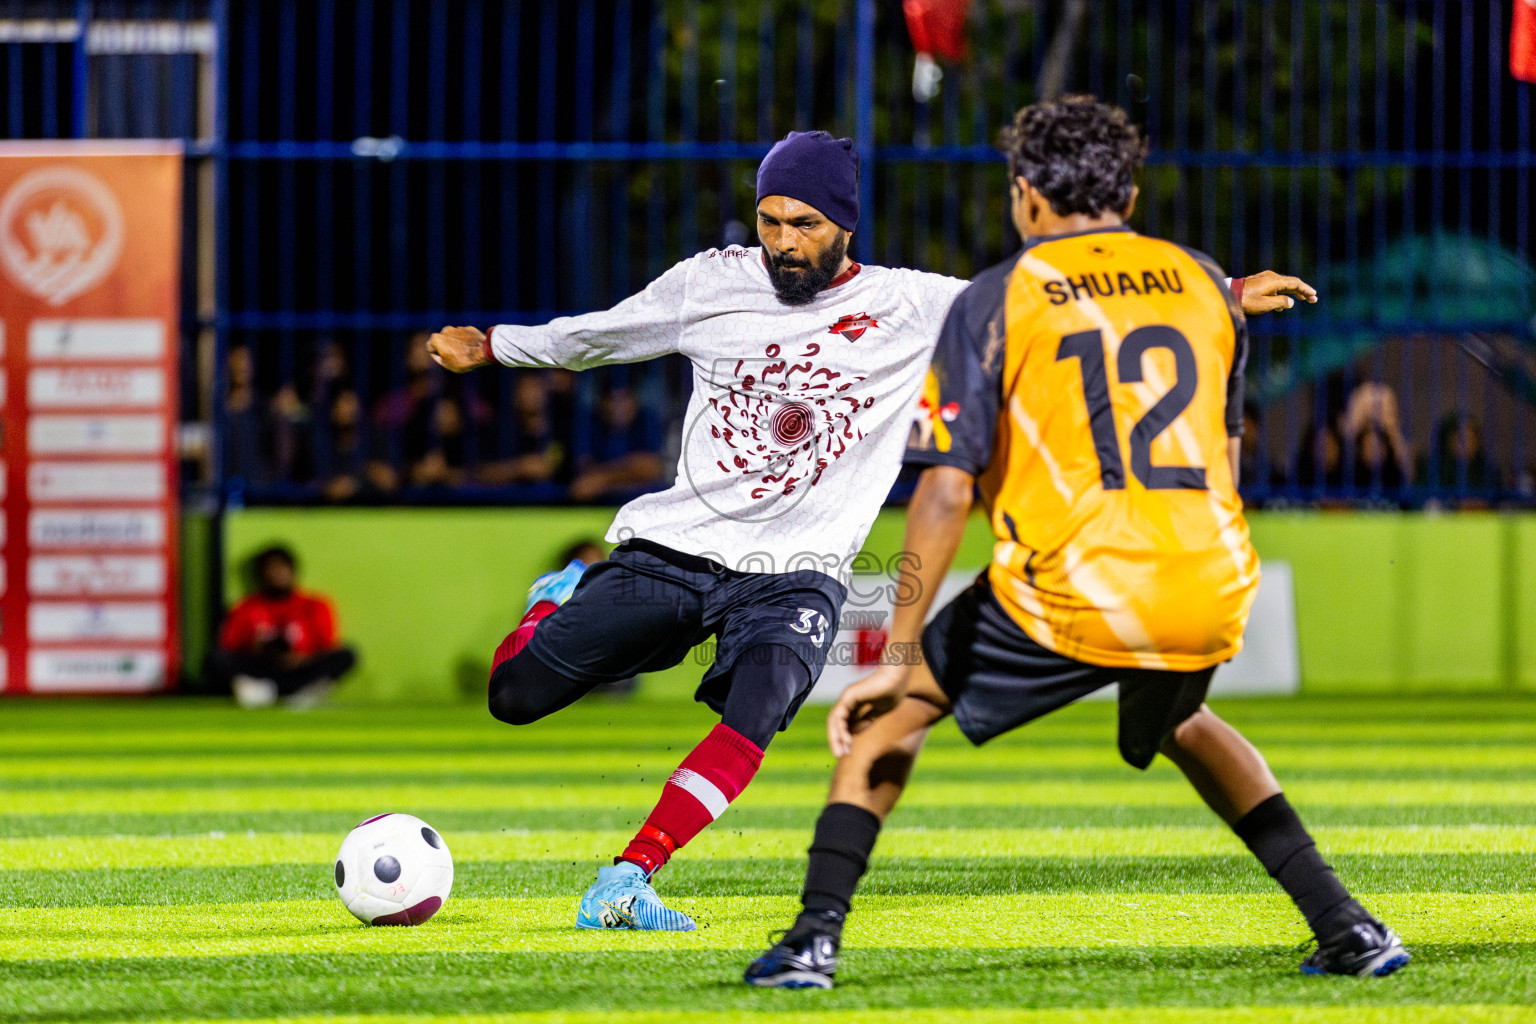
<point>279,642</point>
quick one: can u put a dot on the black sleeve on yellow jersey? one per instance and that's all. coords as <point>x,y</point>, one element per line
<point>968,365</point>
<point>1235,381</point>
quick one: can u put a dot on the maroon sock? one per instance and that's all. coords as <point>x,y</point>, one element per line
<point>697,793</point>
<point>519,637</point>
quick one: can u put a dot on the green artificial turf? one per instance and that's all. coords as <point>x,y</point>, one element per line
<point>170,860</point>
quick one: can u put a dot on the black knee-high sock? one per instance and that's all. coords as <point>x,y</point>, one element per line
<point>1282,844</point>
<point>845,835</point>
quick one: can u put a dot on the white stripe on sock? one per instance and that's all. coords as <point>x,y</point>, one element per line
<point>702,790</point>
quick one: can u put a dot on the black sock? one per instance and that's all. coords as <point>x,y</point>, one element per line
<point>845,835</point>
<point>1281,842</point>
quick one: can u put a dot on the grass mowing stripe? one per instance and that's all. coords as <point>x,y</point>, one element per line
<point>1273,1014</point>
<point>123,852</point>
<point>365,800</point>
<point>978,775</point>
<point>123,726</point>
<point>1201,981</point>
<point>914,878</point>
<point>1019,921</point>
<point>327,767</point>
<point>770,816</point>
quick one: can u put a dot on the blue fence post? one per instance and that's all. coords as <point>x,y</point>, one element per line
<point>864,123</point>
<point>80,71</point>
<point>221,302</point>
<point>221,273</point>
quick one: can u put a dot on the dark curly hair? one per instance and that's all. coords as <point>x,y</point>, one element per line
<point>1082,155</point>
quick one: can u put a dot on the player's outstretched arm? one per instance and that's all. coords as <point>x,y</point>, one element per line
<point>646,325</point>
<point>1268,291</point>
<point>935,524</point>
<point>460,349</point>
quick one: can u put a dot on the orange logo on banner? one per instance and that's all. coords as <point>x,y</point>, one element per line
<point>61,232</point>
<point>89,283</point>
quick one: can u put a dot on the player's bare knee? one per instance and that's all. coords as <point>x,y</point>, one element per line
<point>1192,734</point>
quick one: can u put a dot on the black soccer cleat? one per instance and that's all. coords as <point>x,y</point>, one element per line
<point>1367,948</point>
<point>803,958</point>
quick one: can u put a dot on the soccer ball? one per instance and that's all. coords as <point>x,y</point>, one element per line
<point>393,869</point>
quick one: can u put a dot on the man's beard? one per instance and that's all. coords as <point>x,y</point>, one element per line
<point>799,287</point>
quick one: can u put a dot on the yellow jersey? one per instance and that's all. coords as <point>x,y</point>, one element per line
<point>1091,384</point>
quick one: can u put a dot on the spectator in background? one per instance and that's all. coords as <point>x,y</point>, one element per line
<point>292,436</point>
<point>423,427</point>
<point>1253,468</point>
<point>403,417</point>
<point>459,440</point>
<point>1376,461</point>
<point>279,643</point>
<point>442,463</point>
<point>540,454</point>
<point>1320,460</point>
<point>625,456</point>
<point>1372,429</point>
<point>243,419</point>
<point>398,407</point>
<point>302,443</point>
<point>1458,441</point>
<point>1525,482</point>
<point>355,471</point>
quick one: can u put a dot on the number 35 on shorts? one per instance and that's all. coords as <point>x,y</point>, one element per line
<point>813,624</point>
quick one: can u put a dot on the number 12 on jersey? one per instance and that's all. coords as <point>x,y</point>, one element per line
<point>1087,347</point>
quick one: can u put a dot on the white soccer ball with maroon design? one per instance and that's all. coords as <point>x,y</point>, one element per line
<point>393,869</point>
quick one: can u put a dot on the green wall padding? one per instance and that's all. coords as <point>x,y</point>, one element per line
<point>198,560</point>
<point>1391,602</point>
<point>1520,609</point>
<point>1386,603</point>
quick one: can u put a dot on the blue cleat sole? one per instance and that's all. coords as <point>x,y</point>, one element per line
<point>1381,970</point>
<point>632,928</point>
<point>794,979</point>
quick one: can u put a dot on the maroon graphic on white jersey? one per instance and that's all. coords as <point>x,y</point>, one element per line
<point>785,419</point>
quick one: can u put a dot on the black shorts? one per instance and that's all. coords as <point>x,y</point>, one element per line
<point>998,678</point>
<point>647,606</point>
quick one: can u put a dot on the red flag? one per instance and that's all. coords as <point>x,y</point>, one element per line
<point>937,27</point>
<point>1522,41</point>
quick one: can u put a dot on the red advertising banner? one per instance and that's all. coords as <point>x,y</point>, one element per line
<point>89,270</point>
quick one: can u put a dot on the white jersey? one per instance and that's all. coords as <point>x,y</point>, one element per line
<point>799,414</point>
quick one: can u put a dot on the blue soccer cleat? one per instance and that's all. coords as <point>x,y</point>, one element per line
<point>1365,949</point>
<point>804,958</point>
<point>622,898</point>
<point>556,587</point>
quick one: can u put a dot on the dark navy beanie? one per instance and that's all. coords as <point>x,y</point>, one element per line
<point>817,169</point>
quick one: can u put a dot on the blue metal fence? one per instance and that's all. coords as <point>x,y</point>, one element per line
<point>375,169</point>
